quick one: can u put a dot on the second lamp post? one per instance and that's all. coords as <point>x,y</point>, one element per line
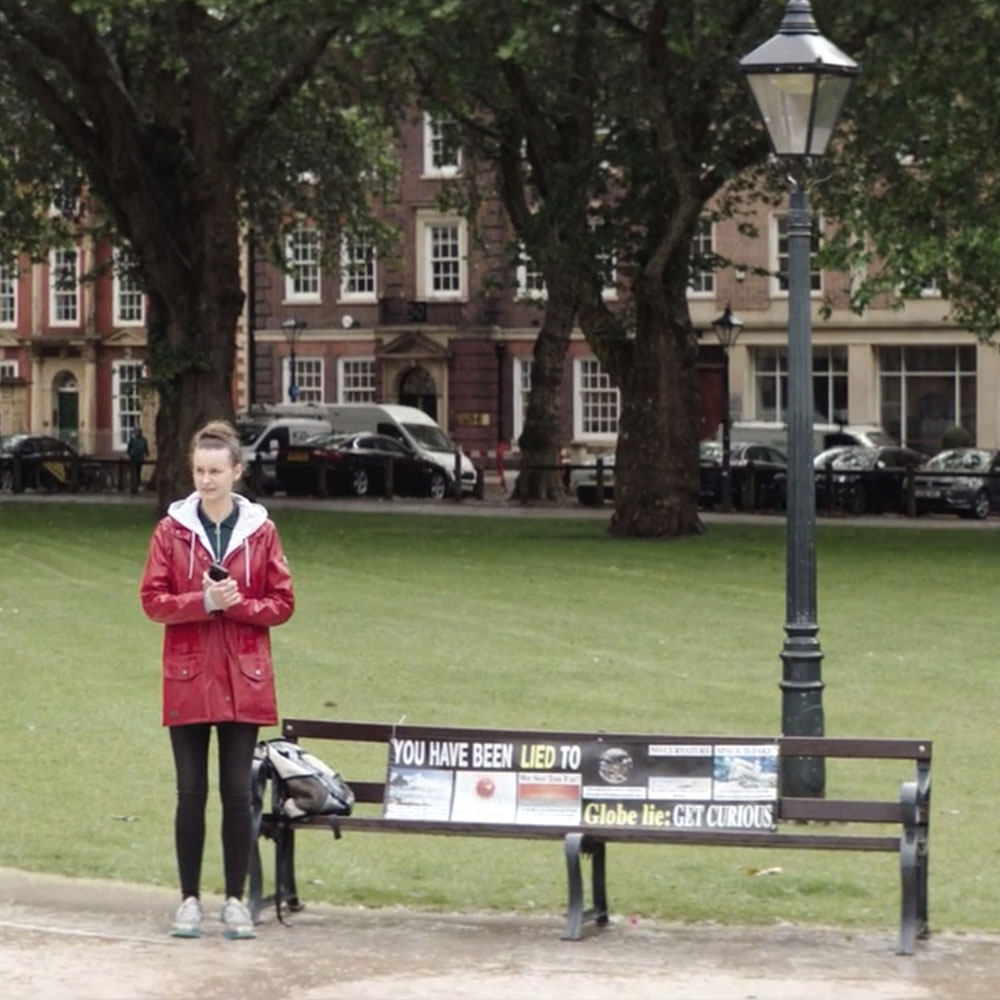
<point>292,328</point>
<point>727,329</point>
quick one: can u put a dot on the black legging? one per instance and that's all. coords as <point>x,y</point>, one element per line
<point>190,746</point>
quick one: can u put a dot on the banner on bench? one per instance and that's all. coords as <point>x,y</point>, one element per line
<point>641,784</point>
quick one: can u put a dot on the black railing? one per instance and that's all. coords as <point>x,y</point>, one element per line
<point>76,475</point>
<point>884,491</point>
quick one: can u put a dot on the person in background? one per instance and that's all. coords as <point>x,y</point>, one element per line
<point>217,580</point>
<point>137,451</point>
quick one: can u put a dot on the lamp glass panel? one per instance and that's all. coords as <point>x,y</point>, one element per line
<point>727,333</point>
<point>831,93</point>
<point>785,103</point>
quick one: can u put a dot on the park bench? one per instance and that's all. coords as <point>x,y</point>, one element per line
<point>590,789</point>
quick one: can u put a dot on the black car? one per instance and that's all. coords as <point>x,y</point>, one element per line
<point>758,476</point>
<point>46,463</point>
<point>866,480</point>
<point>356,464</point>
<point>964,481</point>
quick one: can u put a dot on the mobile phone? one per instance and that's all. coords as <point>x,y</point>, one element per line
<point>217,571</point>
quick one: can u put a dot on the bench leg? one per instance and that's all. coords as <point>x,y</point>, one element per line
<point>910,878</point>
<point>258,779</point>
<point>923,860</point>
<point>285,890</point>
<point>255,890</point>
<point>576,915</point>
<point>598,882</point>
<point>574,909</point>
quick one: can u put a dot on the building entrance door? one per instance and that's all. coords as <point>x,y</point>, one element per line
<point>68,409</point>
<point>417,388</point>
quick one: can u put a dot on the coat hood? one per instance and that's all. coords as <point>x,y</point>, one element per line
<point>252,517</point>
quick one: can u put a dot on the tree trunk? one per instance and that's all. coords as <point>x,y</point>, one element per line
<point>193,312</point>
<point>654,366</point>
<point>656,460</point>
<point>192,353</point>
<point>540,478</point>
<point>191,264</point>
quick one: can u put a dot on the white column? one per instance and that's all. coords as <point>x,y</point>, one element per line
<point>740,381</point>
<point>88,402</point>
<point>987,395</point>
<point>862,385</point>
<point>40,398</point>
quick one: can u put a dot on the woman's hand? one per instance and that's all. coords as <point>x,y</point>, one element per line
<point>223,594</point>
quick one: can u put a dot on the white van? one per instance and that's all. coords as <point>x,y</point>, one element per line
<point>267,434</point>
<point>824,435</point>
<point>407,424</point>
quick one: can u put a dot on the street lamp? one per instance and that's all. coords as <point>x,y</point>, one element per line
<point>292,328</point>
<point>727,329</point>
<point>799,80</point>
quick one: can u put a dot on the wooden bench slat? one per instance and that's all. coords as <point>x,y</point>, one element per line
<point>821,810</point>
<point>715,838</point>
<point>798,746</point>
<point>788,810</point>
<point>847,746</point>
<point>840,810</point>
<point>368,791</point>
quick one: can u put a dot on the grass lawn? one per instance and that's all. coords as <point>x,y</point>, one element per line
<point>533,623</point>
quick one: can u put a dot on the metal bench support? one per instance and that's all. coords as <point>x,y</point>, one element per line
<point>913,861</point>
<point>576,916</point>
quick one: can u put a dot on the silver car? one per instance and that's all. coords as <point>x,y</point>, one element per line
<point>583,479</point>
<point>964,481</point>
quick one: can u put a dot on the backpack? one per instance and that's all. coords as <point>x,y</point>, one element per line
<point>303,784</point>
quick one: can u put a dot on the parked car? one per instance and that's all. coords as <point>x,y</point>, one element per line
<point>355,464</point>
<point>867,479</point>
<point>758,475</point>
<point>47,464</point>
<point>583,480</point>
<point>265,436</point>
<point>824,436</point>
<point>963,481</point>
<point>767,480</point>
<point>827,455</point>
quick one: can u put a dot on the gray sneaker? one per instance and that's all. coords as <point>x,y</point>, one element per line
<point>187,920</point>
<point>236,921</point>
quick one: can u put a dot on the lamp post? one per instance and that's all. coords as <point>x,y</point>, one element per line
<point>291,328</point>
<point>727,329</point>
<point>799,81</point>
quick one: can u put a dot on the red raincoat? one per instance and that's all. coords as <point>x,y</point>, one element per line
<point>217,665</point>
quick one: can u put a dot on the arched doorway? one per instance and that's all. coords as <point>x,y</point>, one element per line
<point>67,407</point>
<point>417,388</point>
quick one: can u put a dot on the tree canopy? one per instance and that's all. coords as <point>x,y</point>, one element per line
<point>188,121</point>
<point>915,189</point>
<point>610,127</point>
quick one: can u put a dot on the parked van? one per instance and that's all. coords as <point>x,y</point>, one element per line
<point>824,435</point>
<point>268,434</point>
<point>407,424</point>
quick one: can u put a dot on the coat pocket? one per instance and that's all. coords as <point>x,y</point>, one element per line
<point>257,667</point>
<point>183,668</point>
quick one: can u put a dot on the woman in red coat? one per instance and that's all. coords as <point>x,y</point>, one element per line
<point>216,578</point>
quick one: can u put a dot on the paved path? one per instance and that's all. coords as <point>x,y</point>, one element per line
<point>81,939</point>
<point>496,504</point>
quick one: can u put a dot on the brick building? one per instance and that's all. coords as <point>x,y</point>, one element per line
<point>72,351</point>
<point>448,324</point>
